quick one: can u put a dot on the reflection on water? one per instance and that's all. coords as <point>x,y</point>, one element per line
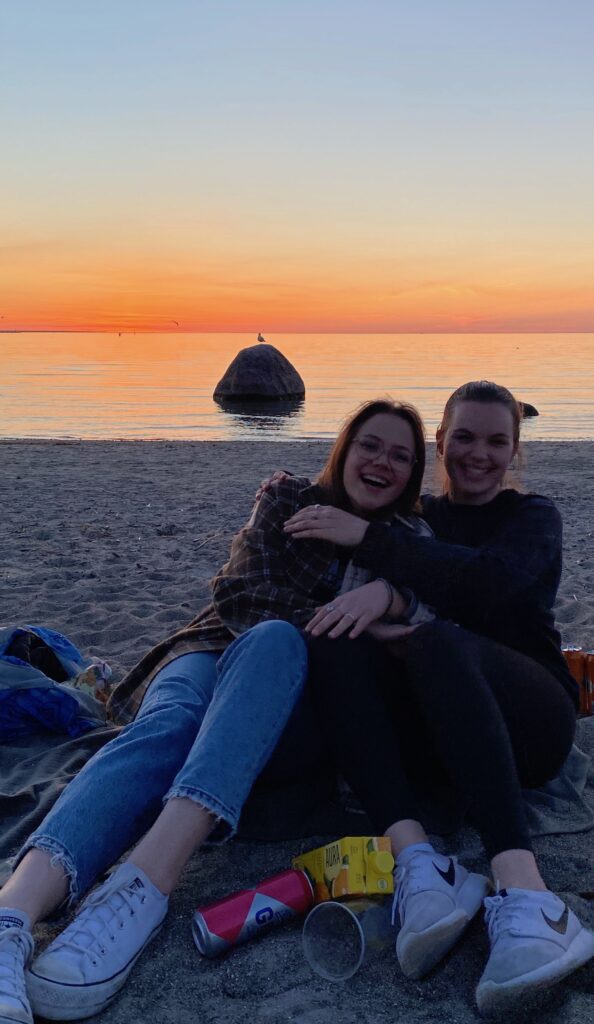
<point>255,417</point>
<point>161,385</point>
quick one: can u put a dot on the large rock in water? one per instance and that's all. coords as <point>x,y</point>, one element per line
<point>262,372</point>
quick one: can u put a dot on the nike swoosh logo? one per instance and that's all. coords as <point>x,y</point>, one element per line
<point>560,925</point>
<point>448,876</point>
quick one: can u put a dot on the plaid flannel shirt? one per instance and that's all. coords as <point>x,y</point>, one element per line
<point>269,575</point>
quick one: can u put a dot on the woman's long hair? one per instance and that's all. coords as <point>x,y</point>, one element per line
<point>331,477</point>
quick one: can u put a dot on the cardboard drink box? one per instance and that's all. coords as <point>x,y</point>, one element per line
<point>353,866</point>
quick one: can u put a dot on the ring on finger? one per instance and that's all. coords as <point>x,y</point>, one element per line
<point>330,608</point>
<point>349,615</point>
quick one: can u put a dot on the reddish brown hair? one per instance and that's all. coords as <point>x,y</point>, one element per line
<point>331,477</point>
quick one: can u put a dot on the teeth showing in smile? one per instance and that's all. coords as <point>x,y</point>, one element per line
<point>374,481</point>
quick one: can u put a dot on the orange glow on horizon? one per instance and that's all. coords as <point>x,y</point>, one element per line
<point>333,293</point>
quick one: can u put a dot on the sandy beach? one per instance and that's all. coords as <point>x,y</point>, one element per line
<point>113,543</point>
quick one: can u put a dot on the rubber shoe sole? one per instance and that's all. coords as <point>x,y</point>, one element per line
<point>494,997</point>
<point>419,952</point>
<point>64,1001</point>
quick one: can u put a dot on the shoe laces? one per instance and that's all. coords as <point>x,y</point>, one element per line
<point>408,879</point>
<point>102,914</point>
<point>16,947</point>
<point>503,914</point>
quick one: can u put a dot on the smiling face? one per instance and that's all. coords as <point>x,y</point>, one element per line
<point>379,463</point>
<point>477,448</point>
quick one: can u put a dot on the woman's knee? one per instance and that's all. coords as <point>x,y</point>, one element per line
<point>270,658</point>
<point>277,631</point>
<point>273,639</point>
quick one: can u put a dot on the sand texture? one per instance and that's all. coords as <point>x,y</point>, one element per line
<point>113,543</point>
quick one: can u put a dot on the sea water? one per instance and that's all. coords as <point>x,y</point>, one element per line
<point>160,385</point>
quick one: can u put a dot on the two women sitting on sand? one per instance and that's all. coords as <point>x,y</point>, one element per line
<point>347,562</point>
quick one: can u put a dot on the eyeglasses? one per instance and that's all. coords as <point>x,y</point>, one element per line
<point>372,448</point>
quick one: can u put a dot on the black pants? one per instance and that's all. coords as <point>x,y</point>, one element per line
<point>450,711</point>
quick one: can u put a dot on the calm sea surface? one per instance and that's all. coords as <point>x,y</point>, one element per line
<point>161,385</point>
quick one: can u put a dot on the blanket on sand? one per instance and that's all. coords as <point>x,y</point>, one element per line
<point>34,771</point>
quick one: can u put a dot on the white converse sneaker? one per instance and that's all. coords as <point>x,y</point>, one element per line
<point>535,941</point>
<point>16,949</point>
<point>436,898</point>
<point>84,968</point>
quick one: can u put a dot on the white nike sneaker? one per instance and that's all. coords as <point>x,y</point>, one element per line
<point>84,968</point>
<point>16,949</point>
<point>436,898</point>
<point>536,940</point>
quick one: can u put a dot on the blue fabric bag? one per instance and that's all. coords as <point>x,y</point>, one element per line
<point>31,701</point>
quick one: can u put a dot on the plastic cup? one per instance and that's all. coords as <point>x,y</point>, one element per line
<point>339,937</point>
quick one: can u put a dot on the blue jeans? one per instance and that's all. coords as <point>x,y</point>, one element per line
<point>206,727</point>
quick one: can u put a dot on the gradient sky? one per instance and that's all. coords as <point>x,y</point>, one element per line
<point>287,165</point>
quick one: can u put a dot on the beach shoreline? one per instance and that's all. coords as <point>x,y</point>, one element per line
<point>106,521</point>
<point>113,543</point>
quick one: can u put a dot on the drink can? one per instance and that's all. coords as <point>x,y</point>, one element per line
<point>246,914</point>
<point>589,681</point>
<point>576,663</point>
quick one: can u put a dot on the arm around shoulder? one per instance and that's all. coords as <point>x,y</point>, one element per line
<point>519,559</point>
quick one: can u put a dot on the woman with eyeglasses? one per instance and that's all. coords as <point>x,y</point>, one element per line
<point>206,709</point>
<point>474,704</point>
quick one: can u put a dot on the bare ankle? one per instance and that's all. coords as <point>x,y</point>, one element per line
<point>517,869</point>
<point>180,829</point>
<point>405,833</point>
<point>37,886</point>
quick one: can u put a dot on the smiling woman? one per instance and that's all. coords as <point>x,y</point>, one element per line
<point>229,681</point>
<point>471,707</point>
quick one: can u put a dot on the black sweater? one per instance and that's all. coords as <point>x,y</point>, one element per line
<point>493,569</point>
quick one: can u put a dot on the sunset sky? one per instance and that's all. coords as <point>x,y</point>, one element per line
<point>288,165</point>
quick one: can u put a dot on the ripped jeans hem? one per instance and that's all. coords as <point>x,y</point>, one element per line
<point>225,820</point>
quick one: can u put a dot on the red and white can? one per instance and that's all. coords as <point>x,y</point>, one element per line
<point>246,914</point>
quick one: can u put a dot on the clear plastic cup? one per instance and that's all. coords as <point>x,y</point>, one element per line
<point>339,937</point>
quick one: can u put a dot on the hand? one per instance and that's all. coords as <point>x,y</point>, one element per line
<point>277,478</point>
<point>351,612</point>
<point>324,522</point>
